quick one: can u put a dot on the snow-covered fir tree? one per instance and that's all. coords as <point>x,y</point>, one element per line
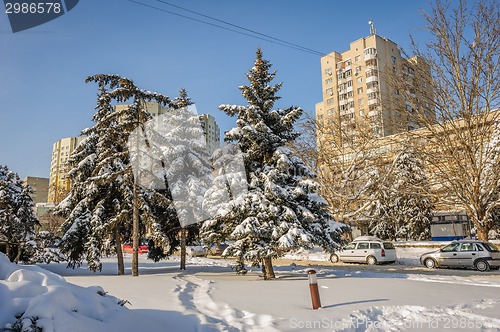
<point>100,205</point>
<point>17,217</point>
<point>281,209</point>
<point>412,204</point>
<point>177,140</point>
<point>402,207</point>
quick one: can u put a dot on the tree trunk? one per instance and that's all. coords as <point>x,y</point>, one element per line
<point>119,252</point>
<point>482,233</point>
<point>135,232</point>
<point>19,253</point>
<point>8,252</point>
<point>183,249</point>
<point>268,268</point>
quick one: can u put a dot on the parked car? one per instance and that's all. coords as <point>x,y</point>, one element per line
<point>218,249</point>
<point>129,248</point>
<point>366,249</point>
<point>464,253</point>
<point>196,251</point>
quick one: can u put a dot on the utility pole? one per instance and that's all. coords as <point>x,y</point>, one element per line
<point>183,248</point>
<point>135,211</point>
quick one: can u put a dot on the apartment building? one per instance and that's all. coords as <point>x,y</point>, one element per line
<point>59,183</point>
<point>361,88</point>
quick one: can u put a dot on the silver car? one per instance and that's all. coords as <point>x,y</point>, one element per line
<point>464,253</point>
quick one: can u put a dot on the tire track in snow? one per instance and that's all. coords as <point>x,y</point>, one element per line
<point>194,295</point>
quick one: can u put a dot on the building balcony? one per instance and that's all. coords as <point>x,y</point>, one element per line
<point>348,111</point>
<point>372,101</point>
<point>370,56</point>
<point>372,90</point>
<point>371,79</point>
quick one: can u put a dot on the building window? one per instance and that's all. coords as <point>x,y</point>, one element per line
<point>329,92</point>
<point>393,59</point>
<point>329,101</point>
<point>330,111</point>
<point>356,58</point>
<point>328,71</point>
<point>360,91</point>
<point>328,81</point>
<point>349,84</point>
<point>359,80</point>
<point>361,101</point>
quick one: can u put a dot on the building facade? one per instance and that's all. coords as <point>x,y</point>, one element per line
<point>40,187</point>
<point>59,183</point>
<point>211,131</point>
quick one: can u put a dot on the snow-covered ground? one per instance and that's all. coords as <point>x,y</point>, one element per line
<point>210,297</point>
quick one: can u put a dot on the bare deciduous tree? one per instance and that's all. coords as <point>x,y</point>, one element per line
<point>347,167</point>
<point>461,143</point>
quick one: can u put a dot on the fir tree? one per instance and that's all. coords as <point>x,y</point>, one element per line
<point>177,137</point>
<point>17,218</point>
<point>402,207</point>
<point>412,205</point>
<point>281,210</point>
<point>105,198</point>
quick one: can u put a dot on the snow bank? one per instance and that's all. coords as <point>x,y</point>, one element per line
<point>33,297</point>
<point>396,318</point>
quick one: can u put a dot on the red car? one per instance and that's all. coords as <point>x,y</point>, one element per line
<point>128,248</point>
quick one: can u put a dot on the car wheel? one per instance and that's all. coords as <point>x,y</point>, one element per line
<point>334,258</point>
<point>371,260</point>
<point>482,266</point>
<point>430,263</point>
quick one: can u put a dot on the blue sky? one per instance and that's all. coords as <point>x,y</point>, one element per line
<point>43,97</point>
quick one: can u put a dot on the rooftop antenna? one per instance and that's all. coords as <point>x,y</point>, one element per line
<point>372,28</point>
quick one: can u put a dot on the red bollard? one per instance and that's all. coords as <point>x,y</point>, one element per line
<point>313,287</point>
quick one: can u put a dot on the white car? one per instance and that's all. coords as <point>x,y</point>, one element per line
<point>196,251</point>
<point>366,249</point>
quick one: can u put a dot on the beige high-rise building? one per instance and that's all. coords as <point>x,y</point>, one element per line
<point>59,183</point>
<point>357,89</point>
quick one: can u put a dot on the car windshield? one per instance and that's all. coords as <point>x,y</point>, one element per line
<point>490,247</point>
<point>388,245</point>
<point>451,247</point>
